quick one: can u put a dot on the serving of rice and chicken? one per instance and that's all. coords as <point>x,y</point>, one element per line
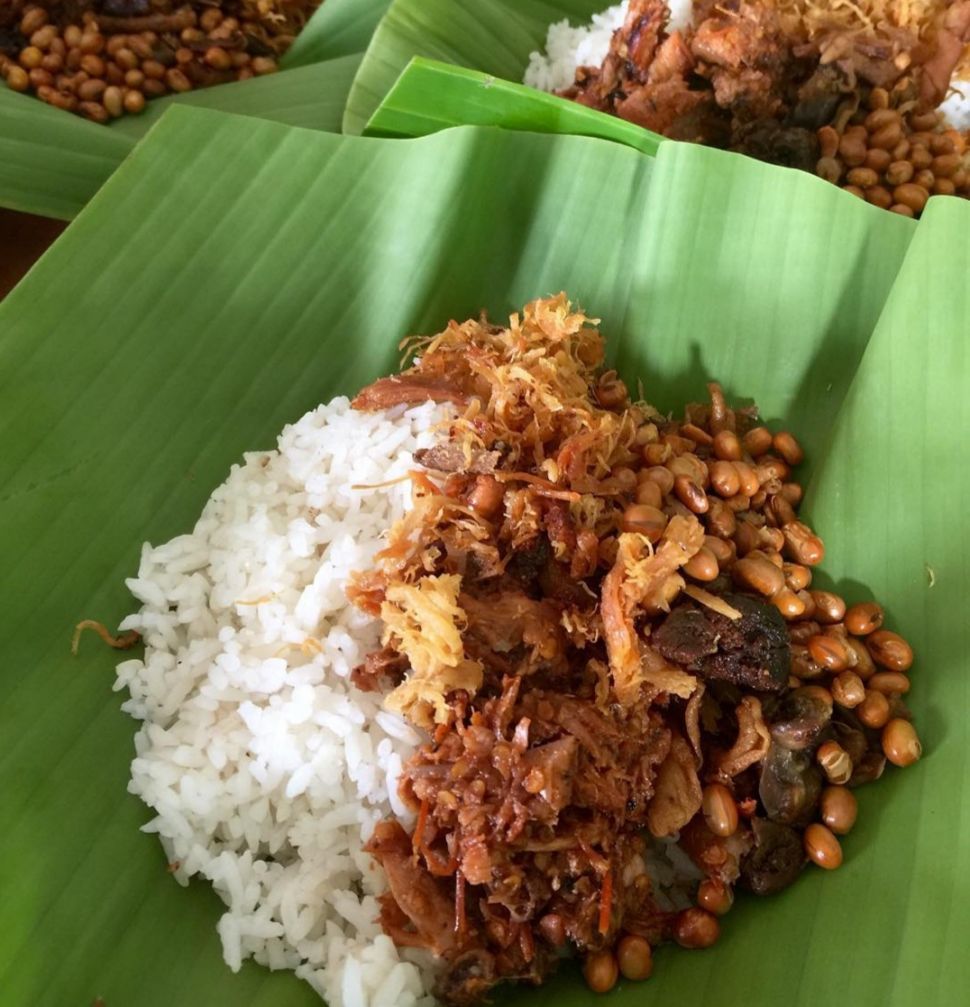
<point>492,666</point>
<point>873,95</point>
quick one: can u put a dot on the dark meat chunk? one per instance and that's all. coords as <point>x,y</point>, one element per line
<point>406,389</point>
<point>507,620</point>
<point>769,141</point>
<point>468,978</point>
<point>414,890</point>
<point>449,456</point>
<point>798,720</point>
<point>550,769</point>
<point>381,669</point>
<point>526,564</point>
<point>753,651</point>
<point>11,41</point>
<point>705,123</point>
<point>951,37</point>
<point>776,860</point>
<point>659,107</point>
<point>819,97</point>
<point>641,33</point>
<point>790,786</point>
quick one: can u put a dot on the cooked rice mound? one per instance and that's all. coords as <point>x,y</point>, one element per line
<point>267,770</point>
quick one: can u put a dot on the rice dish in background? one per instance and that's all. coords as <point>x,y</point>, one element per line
<point>266,767</point>
<point>871,97</point>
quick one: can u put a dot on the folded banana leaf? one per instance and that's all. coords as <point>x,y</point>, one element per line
<point>430,96</point>
<point>205,298</point>
<point>53,162</point>
<point>494,36</point>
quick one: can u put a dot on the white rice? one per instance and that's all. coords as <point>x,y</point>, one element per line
<point>266,768</point>
<point>587,45</point>
<point>956,105</point>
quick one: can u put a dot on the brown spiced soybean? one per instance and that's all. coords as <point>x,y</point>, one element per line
<point>848,690</point>
<point>827,651</point>
<point>821,846</point>
<point>803,545</point>
<point>702,565</point>
<point>789,604</point>
<point>912,195</point>
<point>17,78</point>
<point>750,484</point>
<point>714,896</point>
<point>873,711</point>
<point>757,441</point>
<point>879,196</point>
<point>649,492</point>
<point>864,618</point>
<point>696,928</point>
<point>113,101</point>
<point>878,160</point>
<point>725,479</point>
<point>797,577</point>
<point>33,18</point>
<point>834,761</point>
<point>645,520</point>
<point>634,958</point>
<point>890,650</point>
<point>828,141</point>
<point>600,970</point>
<point>899,172</point>
<point>889,682</point>
<point>852,148</point>
<point>839,809</point>
<point>863,177</point>
<point>726,446</point>
<point>757,572</point>
<point>691,495</point>
<point>887,137</point>
<point>829,607</point>
<point>900,742</point>
<point>719,809</point>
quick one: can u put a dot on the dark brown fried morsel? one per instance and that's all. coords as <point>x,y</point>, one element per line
<point>451,457</point>
<point>776,860</point>
<point>790,786</point>
<point>470,977</point>
<point>753,651</point>
<point>382,669</point>
<point>798,721</point>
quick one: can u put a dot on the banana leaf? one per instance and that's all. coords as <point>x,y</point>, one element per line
<point>430,96</point>
<point>203,299</point>
<point>338,28</point>
<point>494,36</point>
<point>52,162</point>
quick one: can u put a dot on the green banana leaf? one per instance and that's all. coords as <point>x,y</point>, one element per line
<point>52,162</point>
<point>430,96</point>
<point>338,28</point>
<point>167,331</point>
<point>494,36</point>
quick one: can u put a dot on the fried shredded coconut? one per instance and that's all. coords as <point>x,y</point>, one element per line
<point>423,621</point>
<point>544,622</point>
